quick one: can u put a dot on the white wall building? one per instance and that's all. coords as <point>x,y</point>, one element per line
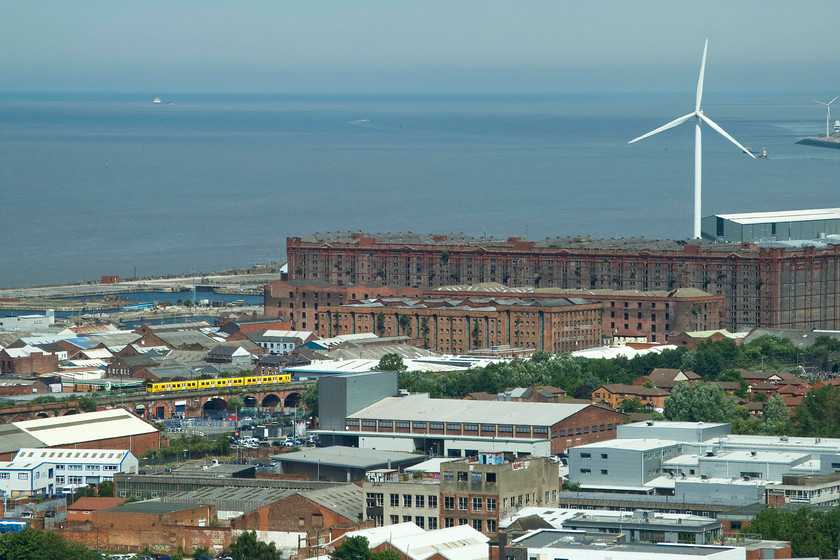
<point>47,471</point>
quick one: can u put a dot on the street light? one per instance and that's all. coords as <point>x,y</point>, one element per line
<point>319,470</point>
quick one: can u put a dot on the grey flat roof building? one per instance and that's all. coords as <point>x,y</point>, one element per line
<point>772,226</point>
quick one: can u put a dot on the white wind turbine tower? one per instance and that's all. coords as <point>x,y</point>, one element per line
<point>827,113</point>
<point>698,117</point>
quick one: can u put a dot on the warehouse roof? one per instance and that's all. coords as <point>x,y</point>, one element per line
<point>346,500</point>
<point>90,426</point>
<point>353,457</point>
<point>422,408</point>
<point>783,216</point>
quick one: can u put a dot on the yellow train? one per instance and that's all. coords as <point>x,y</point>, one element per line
<point>218,382</point>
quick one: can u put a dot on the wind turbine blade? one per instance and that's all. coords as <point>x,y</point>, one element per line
<point>833,100</point>
<point>673,123</point>
<point>700,81</point>
<point>723,133</point>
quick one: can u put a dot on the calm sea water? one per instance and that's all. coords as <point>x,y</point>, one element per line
<point>106,184</point>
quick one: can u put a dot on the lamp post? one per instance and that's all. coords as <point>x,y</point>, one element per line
<point>319,470</point>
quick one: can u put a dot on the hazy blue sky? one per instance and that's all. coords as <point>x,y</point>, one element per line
<point>430,45</point>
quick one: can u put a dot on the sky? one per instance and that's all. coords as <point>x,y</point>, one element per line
<point>282,46</point>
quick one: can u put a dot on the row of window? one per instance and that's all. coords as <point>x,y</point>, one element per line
<point>418,500</point>
<point>483,525</point>
<point>585,430</point>
<point>478,504</point>
<point>452,427</point>
<point>419,520</point>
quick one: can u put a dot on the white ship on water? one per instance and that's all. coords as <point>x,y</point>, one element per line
<point>157,100</point>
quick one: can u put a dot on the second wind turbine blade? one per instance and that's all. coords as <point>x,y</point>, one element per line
<point>671,124</point>
<point>723,133</point>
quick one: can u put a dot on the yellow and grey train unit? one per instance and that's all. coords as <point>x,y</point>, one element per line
<point>217,383</point>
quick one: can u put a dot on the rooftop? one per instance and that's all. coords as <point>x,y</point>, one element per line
<point>420,407</point>
<point>783,216</point>
<point>353,457</point>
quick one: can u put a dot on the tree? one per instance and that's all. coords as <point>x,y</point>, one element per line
<point>405,324</point>
<point>391,362</point>
<point>310,398</point>
<point>700,403</point>
<point>811,533</point>
<point>776,416</point>
<point>248,547</point>
<point>86,404</point>
<point>30,544</point>
<point>106,489</point>
<point>424,330</point>
<point>235,403</point>
<point>353,548</point>
<point>632,405</point>
<point>817,415</point>
<point>380,323</point>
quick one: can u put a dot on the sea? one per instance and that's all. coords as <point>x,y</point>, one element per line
<point>102,184</point>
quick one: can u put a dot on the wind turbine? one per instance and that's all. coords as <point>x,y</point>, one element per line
<point>827,113</point>
<point>698,117</point>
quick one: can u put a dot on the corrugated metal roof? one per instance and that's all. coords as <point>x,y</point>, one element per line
<point>422,408</point>
<point>783,216</point>
<point>90,426</point>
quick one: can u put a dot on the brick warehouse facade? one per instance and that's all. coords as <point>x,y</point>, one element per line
<point>460,325</point>
<point>791,287</point>
<point>629,315</point>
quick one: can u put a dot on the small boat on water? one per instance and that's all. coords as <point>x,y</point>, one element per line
<point>157,100</point>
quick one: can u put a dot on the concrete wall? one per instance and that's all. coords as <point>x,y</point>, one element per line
<point>684,431</point>
<point>615,466</point>
<point>342,395</point>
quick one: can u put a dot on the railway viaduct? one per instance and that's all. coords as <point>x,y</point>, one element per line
<point>157,406</point>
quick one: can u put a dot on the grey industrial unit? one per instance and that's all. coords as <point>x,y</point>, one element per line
<point>342,395</point>
<point>772,226</point>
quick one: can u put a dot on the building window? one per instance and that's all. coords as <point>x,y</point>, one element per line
<point>491,525</point>
<point>406,519</point>
<point>462,476</point>
<point>419,500</point>
<point>369,423</point>
<point>58,479</point>
<point>523,429</point>
<point>395,519</point>
<point>404,425</point>
<point>585,471</point>
<point>490,477</point>
<point>432,523</point>
<point>491,504</point>
<point>448,476</point>
<point>432,501</point>
<point>462,521</point>
<point>463,503</point>
<point>476,523</point>
<point>420,521</point>
<point>506,429</point>
<point>603,455</point>
<point>406,500</point>
<point>419,425</point>
<point>477,504</point>
<point>436,425</point>
<point>604,471</point>
<point>386,424</point>
<point>585,455</point>
<point>454,427</point>
<point>448,522</point>
<point>4,475</point>
<point>470,427</point>
<point>491,428</point>
<point>542,431</point>
<point>395,500</point>
<point>448,502</point>
<point>23,476</point>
